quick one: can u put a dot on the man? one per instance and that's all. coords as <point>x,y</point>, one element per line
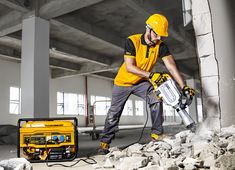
<point>140,55</point>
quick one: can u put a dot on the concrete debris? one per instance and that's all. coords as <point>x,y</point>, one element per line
<point>231,146</point>
<point>116,155</point>
<point>229,131</point>
<point>132,163</point>
<point>193,161</point>
<point>226,161</point>
<point>108,164</point>
<point>134,150</point>
<point>208,150</point>
<point>16,164</point>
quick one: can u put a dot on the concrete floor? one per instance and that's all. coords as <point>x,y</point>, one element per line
<point>89,147</point>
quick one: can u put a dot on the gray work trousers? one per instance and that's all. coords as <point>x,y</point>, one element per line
<point>120,95</point>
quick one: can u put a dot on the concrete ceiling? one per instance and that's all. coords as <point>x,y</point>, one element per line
<point>87,36</point>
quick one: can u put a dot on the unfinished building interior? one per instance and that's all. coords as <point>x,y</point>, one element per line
<point>61,58</point>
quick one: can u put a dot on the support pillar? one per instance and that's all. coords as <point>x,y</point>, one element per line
<point>35,68</point>
<point>223,25</point>
<point>215,46</point>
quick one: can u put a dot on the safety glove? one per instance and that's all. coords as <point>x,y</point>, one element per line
<point>187,96</point>
<point>158,78</point>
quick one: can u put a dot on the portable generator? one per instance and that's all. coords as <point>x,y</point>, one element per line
<point>49,139</point>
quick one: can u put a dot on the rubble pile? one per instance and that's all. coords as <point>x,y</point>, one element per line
<point>16,164</point>
<point>203,150</point>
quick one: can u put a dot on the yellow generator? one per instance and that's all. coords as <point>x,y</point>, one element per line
<point>50,139</point>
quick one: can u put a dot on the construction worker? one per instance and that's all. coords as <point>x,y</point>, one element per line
<point>134,77</point>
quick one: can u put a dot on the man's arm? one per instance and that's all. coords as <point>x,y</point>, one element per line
<point>132,68</point>
<point>172,68</point>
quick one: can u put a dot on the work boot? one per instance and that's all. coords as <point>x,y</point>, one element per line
<point>104,148</point>
<point>156,137</point>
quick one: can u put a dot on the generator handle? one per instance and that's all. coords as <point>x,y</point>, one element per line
<point>75,120</point>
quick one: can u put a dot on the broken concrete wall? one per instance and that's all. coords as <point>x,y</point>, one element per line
<point>209,73</point>
<point>223,25</point>
<point>214,47</point>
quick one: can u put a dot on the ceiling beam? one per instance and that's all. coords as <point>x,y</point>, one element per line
<point>63,51</point>
<point>105,75</point>
<point>65,65</point>
<point>95,33</point>
<point>9,53</point>
<point>55,8</point>
<point>11,22</point>
<point>13,4</point>
<point>86,55</point>
<point>85,69</point>
<point>11,42</point>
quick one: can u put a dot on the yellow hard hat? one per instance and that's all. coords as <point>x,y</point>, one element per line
<point>159,24</point>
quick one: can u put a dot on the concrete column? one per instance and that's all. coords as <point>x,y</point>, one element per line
<point>223,24</point>
<point>209,73</point>
<point>35,68</point>
<point>214,26</point>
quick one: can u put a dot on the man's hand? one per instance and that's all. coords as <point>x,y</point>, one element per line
<point>158,78</point>
<point>188,93</point>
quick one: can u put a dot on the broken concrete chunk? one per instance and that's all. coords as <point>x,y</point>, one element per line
<point>228,131</point>
<point>192,161</point>
<point>182,134</point>
<point>128,163</point>
<point>16,164</point>
<point>226,161</point>
<point>134,149</point>
<point>231,147</point>
<point>209,162</point>
<point>176,151</point>
<point>190,167</point>
<point>163,145</point>
<point>108,163</point>
<point>209,149</point>
<point>117,155</point>
<point>198,147</point>
<point>168,163</point>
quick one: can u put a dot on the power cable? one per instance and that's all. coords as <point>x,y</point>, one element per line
<point>87,160</point>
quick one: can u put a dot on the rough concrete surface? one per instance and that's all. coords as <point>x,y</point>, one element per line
<point>207,150</point>
<point>185,150</point>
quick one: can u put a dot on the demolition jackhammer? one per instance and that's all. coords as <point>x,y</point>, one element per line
<point>170,95</point>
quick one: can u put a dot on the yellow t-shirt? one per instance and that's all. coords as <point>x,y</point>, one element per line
<point>145,56</point>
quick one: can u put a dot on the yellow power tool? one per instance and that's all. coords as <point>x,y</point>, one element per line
<point>49,139</point>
